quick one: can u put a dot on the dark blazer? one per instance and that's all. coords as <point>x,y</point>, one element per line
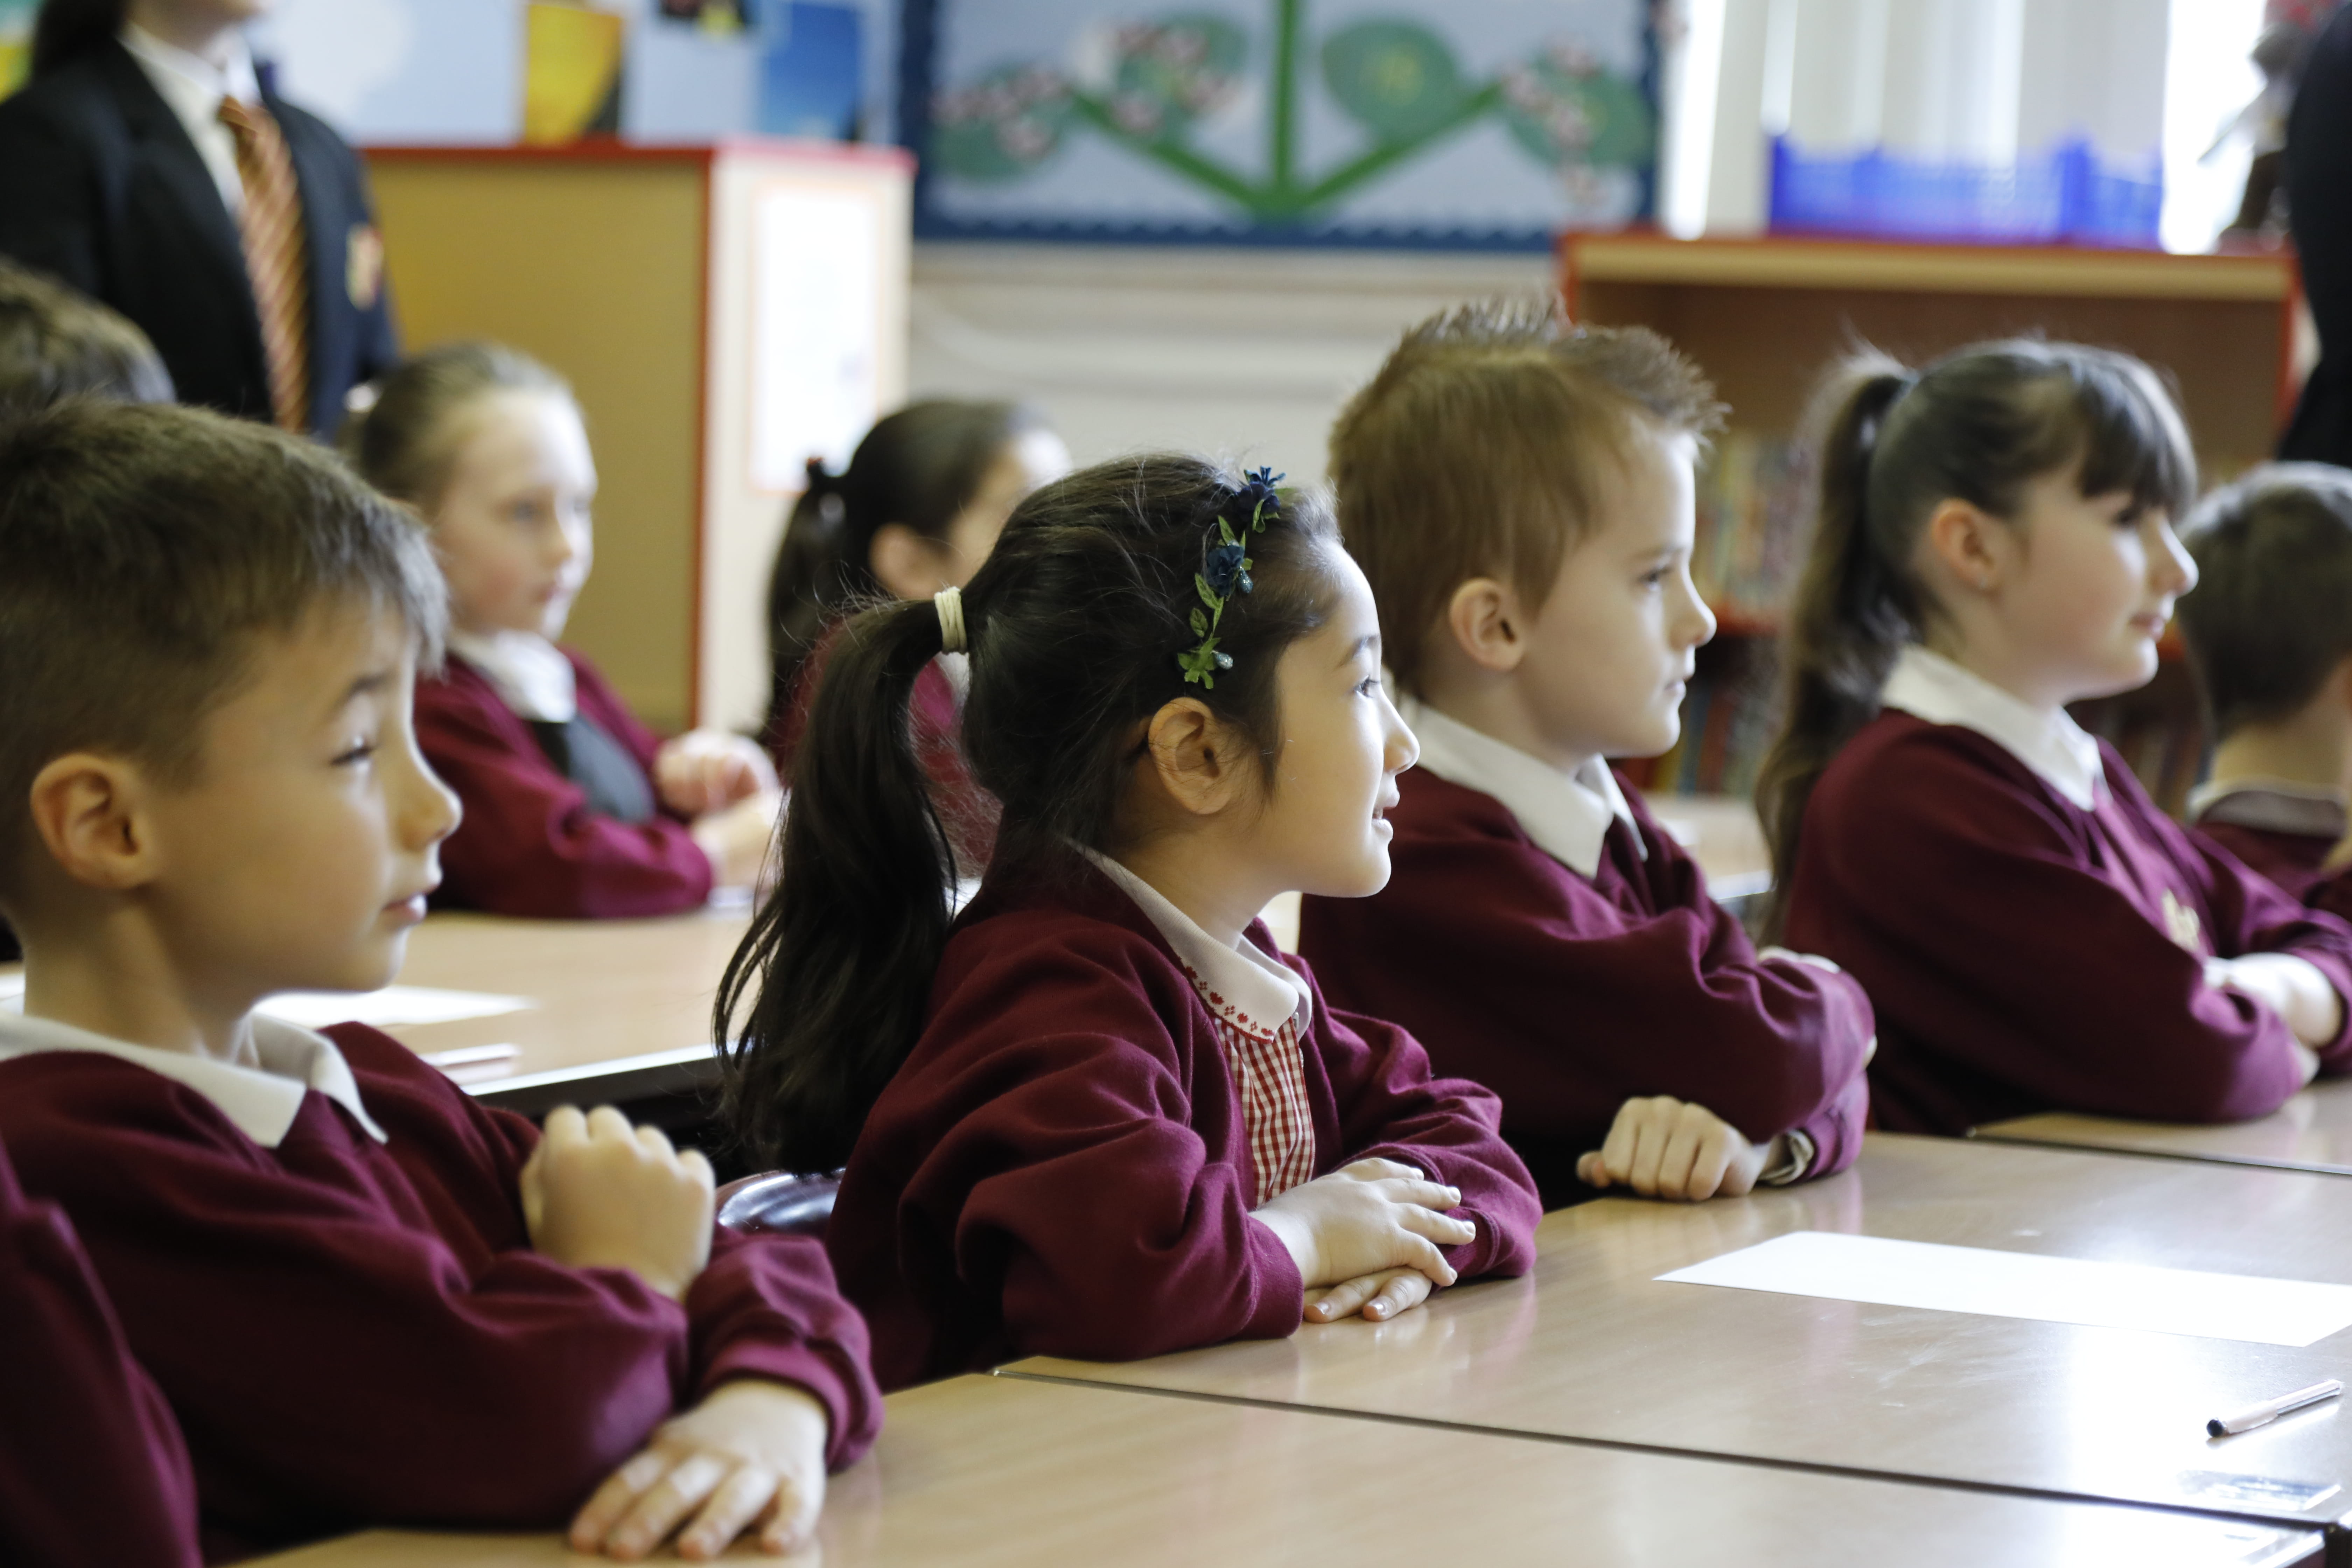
<point>100,186</point>
<point>2319,211</point>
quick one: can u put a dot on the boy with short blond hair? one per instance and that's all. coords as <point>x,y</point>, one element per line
<point>2269,629</point>
<point>1519,492</point>
<point>369,1300</point>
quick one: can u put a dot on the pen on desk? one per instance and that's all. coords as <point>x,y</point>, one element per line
<point>2270,1410</point>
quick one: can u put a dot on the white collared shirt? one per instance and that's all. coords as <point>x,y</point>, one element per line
<point>1567,814</point>
<point>262,1101</point>
<point>2060,751</point>
<point>528,672</point>
<point>1250,985</point>
<point>2271,805</point>
<point>193,88</point>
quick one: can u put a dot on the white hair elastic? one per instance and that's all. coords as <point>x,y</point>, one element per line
<point>949,602</point>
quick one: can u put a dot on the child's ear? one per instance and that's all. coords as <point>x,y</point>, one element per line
<point>1196,755</point>
<point>1488,624</point>
<point>1969,544</point>
<point>90,810</point>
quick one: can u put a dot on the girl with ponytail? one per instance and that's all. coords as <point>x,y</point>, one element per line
<point>1097,1114</point>
<point>916,510</point>
<point>1995,542</point>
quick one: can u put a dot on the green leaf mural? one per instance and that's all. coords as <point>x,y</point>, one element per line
<point>1395,77</point>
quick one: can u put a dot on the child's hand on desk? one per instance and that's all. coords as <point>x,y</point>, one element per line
<point>600,1194</point>
<point>1667,1148</point>
<point>736,840</point>
<point>1360,1229</point>
<point>752,1455</point>
<point>705,770</point>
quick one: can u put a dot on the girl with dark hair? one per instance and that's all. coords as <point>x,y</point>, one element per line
<point>917,510</point>
<point>1098,1115</point>
<point>1995,542</point>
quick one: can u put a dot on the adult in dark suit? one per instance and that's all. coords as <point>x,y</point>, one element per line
<point>2319,212</point>
<point>234,228</point>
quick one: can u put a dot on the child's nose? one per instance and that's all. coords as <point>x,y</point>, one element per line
<point>2174,570</point>
<point>433,809</point>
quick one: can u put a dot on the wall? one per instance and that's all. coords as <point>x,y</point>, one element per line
<point>1247,353</point>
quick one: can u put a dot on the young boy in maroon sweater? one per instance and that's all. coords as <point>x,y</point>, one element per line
<point>2269,630</point>
<point>1519,492</point>
<point>368,1300</point>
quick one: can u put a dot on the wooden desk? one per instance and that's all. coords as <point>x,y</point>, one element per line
<point>623,1006</point>
<point>1592,1346</point>
<point>2313,1131</point>
<point>986,1472</point>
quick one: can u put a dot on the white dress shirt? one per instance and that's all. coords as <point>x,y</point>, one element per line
<point>194,87</point>
<point>261,1100</point>
<point>2060,751</point>
<point>1567,814</point>
<point>527,670</point>
<point>1250,984</point>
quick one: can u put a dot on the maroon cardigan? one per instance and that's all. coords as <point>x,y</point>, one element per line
<point>1569,995</point>
<point>357,1333</point>
<point>92,1470</point>
<point>528,844</point>
<point>1061,1167</point>
<point>2016,945</point>
<point>2295,861</point>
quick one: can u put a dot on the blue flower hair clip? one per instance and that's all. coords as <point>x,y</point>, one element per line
<point>1225,571</point>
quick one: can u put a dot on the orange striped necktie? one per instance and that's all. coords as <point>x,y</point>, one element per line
<point>276,259</point>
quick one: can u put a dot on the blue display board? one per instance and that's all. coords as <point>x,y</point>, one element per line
<point>1461,123</point>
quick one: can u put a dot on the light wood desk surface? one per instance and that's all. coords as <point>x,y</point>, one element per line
<point>1592,1346</point>
<point>608,994</point>
<point>2313,1131</point>
<point>982,1471</point>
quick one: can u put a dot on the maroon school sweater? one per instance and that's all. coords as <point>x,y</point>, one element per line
<point>529,846</point>
<point>2265,841</point>
<point>357,1333</point>
<point>1568,995</point>
<point>92,1470</point>
<point>2016,947</point>
<point>1061,1167</point>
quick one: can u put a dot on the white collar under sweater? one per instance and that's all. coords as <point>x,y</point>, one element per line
<point>263,1101</point>
<point>2061,753</point>
<point>1567,814</point>
<point>528,672</point>
<point>1251,990</point>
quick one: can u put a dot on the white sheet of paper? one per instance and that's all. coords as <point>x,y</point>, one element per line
<point>1891,1273</point>
<point>392,1005</point>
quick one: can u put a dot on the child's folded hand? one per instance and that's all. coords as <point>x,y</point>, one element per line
<point>750,1455</point>
<point>1667,1148</point>
<point>738,839</point>
<point>1379,1297</point>
<point>705,770</point>
<point>1355,1228</point>
<point>600,1194</point>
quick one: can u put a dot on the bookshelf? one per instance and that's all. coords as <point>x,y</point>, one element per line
<point>1767,317</point>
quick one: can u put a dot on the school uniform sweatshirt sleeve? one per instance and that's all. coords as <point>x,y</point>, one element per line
<point>2016,949</point>
<point>1389,1107</point>
<point>1053,1193</point>
<point>359,1334</point>
<point>1568,998</point>
<point>92,1470</point>
<point>528,844</point>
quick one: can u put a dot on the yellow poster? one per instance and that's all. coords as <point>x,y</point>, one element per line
<point>572,85</point>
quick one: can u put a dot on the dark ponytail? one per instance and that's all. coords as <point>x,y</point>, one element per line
<point>920,467</point>
<point>1977,425</point>
<point>67,29</point>
<point>1074,624</point>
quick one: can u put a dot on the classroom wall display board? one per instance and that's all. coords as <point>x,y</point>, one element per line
<point>1768,318</point>
<point>724,313</point>
<point>1440,123</point>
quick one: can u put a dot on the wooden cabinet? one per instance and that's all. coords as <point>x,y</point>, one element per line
<point>723,312</point>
